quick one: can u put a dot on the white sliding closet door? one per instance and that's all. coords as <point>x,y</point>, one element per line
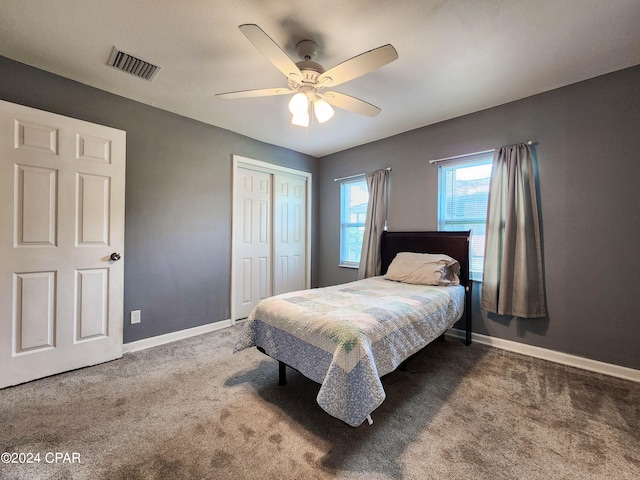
<point>270,233</point>
<point>252,239</point>
<point>289,233</point>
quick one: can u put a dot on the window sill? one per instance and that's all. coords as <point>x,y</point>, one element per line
<point>343,265</point>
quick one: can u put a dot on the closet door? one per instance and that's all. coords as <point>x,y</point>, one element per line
<point>270,233</point>
<point>289,233</point>
<point>252,239</point>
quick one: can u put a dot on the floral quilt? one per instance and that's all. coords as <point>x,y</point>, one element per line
<point>347,336</point>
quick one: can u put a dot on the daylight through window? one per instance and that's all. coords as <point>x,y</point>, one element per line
<point>354,197</point>
<point>463,195</point>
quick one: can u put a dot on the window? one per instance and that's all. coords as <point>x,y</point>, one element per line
<point>463,195</point>
<point>354,196</point>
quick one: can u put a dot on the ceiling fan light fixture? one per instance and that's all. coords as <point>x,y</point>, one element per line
<point>300,119</point>
<point>299,104</point>
<point>306,78</point>
<point>322,110</point>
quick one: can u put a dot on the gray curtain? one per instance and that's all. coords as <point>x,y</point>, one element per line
<point>374,224</point>
<point>512,276</point>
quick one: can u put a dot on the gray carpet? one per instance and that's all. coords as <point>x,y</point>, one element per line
<point>193,410</point>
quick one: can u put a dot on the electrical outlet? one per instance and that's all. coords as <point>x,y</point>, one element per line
<point>135,316</point>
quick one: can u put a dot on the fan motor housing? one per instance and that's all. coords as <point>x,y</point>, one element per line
<point>311,66</point>
<point>310,73</point>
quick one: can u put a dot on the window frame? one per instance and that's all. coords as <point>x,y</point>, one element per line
<point>344,225</point>
<point>477,240</point>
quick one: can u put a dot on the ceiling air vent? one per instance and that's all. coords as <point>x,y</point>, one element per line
<point>132,65</point>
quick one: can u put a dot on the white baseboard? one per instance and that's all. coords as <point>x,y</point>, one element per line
<point>552,356</point>
<point>174,336</point>
<point>517,347</point>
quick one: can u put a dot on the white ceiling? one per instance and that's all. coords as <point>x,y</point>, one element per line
<point>455,57</point>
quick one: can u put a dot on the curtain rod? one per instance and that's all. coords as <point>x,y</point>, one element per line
<point>530,142</point>
<point>355,176</point>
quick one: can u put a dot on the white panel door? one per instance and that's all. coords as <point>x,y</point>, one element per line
<point>252,239</point>
<point>289,233</point>
<point>61,218</point>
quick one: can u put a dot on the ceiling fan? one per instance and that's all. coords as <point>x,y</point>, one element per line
<point>307,79</point>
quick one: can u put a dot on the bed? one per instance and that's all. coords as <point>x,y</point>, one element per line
<point>346,337</point>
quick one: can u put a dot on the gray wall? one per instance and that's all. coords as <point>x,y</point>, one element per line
<point>178,203</point>
<point>588,155</point>
<point>178,198</point>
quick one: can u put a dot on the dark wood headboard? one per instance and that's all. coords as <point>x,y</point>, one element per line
<point>454,244</point>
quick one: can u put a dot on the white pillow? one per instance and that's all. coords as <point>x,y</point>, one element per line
<point>424,269</point>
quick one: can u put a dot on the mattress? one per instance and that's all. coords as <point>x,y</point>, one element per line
<point>346,337</point>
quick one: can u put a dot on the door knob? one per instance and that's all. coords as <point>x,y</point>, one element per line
<point>115,256</point>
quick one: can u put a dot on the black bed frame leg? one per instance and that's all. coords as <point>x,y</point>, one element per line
<point>282,373</point>
<point>467,315</point>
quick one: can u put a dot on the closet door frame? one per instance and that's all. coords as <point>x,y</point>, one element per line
<point>262,166</point>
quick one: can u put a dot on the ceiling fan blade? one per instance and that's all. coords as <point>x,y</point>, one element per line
<point>347,102</point>
<point>359,65</point>
<point>270,49</point>
<point>262,92</point>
